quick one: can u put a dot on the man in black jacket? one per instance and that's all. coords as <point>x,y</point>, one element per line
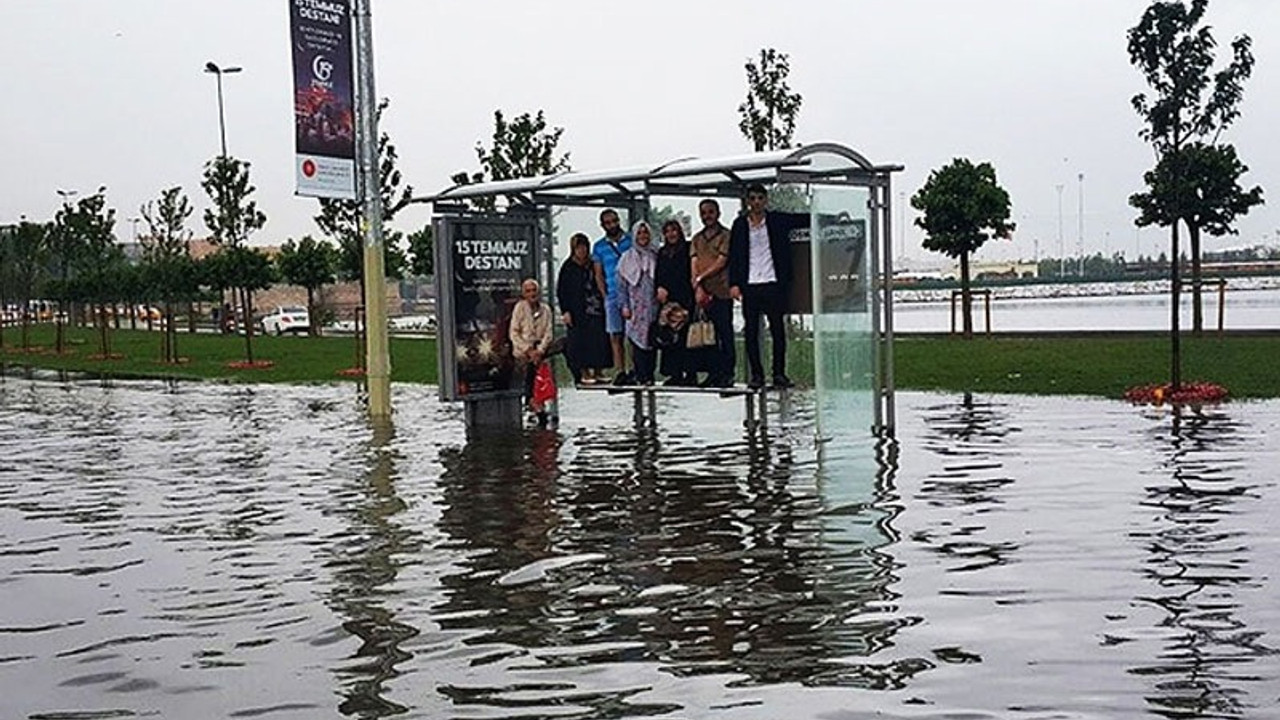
<point>760,276</point>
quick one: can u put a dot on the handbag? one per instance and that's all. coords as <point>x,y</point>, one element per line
<point>544,384</point>
<point>702,332</point>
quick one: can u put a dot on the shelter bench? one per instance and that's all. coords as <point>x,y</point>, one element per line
<point>646,399</point>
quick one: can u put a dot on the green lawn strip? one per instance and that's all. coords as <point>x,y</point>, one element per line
<point>1100,365</point>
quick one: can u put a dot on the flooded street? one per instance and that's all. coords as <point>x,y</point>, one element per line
<point>201,551</point>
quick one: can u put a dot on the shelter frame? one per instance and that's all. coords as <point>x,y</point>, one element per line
<point>820,165</point>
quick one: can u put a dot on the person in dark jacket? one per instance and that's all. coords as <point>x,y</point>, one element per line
<point>582,310</point>
<point>760,276</point>
<point>674,284</point>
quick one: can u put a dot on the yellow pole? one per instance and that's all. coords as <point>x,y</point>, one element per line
<point>378,367</point>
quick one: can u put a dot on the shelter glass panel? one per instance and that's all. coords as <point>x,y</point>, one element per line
<point>844,344</point>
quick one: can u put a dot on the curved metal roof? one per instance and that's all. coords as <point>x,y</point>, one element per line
<point>820,162</point>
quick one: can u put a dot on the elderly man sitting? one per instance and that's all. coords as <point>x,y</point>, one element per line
<point>531,339</point>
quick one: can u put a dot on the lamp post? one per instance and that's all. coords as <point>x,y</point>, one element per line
<point>215,69</point>
<point>1080,230</point>
<point>1062,252</point>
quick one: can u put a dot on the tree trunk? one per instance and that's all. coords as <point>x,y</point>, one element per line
<point>966,308</point>
<point>1197,312</point>
<point>191,318</point>
<point>247,319</point>
<point>103,325</point>
<point>59,342</point>
<point>171,329</point>
<point>311,312</point>
<point>1175,336</point>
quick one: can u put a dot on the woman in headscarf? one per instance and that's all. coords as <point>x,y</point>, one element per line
<point>636,270</point>
<point>582,310</point>
<point>674,282</point>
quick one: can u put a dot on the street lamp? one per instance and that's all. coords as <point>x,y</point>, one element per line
<point>212,67</point>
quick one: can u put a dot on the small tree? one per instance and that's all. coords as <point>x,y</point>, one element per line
<point>522,148</point>
<point>770,110</point>
<point>1198,184</point>
<point>166,255</point>
<point>232,219</point>
<point>1189,102</point>
<point>91,257</point>
<point>311,265</point>
<point>963,207</point>
<point>23,253</point>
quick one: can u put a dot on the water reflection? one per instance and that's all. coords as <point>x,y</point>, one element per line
<point>972,437</point>
<point>1199,561</point>
<point>365,565</point>
<point>626,545</point>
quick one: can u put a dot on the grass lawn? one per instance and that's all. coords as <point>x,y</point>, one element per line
<point>1101,365</point>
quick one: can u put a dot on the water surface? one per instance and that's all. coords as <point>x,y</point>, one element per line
<point>223,551</point>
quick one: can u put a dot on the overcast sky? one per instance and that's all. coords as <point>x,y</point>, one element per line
<point>111,92</point>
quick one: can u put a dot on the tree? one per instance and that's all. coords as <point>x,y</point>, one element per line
<point>1198,184</point>
<point>341,220</point>
<point>87,257</point>
<point>963,207</point>
<point>232,219</point>
<point>311,265</point>
<point>521,148</point>
<point>422,252</point>
<point>769,112</point>
<point>166,257</point>
<point>1189,102</point>
<point>23,255</point>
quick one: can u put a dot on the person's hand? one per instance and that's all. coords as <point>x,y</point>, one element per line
<point>626,313</point>
<point>535,356</point>
<point>735,292</point>
<point>568,319</point>
<point>662,295</point>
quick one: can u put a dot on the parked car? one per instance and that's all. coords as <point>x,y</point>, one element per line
<point>283,320</point>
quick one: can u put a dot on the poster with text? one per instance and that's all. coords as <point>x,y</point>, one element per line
<point>323,98</point>
<point>489,259</point>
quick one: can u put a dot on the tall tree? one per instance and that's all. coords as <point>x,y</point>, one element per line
<point>340,220</point>
<point>232,219</point>
<point>166,255</point>
<point>311,265</point>
<point>1189,101</point>
<point>770,110</point>
<point>1199,185</point>
<point>963,207</point>
<point>523,147</point>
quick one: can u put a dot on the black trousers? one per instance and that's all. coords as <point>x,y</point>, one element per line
<point>769,301</point>
<point>721,315</point>
<point>644,362</point>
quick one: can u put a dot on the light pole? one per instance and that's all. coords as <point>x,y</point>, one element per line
<point>1062,250</point>
<point>1080,230</point>
<point>212,67</point>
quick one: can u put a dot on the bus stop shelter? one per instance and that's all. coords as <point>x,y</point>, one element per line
<point>843,264</point>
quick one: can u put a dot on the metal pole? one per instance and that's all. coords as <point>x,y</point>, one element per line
<point>1080,230</point>
<point>1062,251</point>
<point>222,120</point>
<point>377,350</point>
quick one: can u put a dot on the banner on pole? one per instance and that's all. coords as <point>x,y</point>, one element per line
<point>323,101</point>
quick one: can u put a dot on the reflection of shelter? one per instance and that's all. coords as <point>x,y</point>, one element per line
<point>843,265</point>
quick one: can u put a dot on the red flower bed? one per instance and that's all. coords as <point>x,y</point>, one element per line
<point>1192,393</point>
<point>352,372</point>
<point>255,365</point>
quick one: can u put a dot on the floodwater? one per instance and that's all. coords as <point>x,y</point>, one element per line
<point>201,551</point>
<point>1242,310</point>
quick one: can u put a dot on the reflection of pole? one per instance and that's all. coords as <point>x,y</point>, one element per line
<point>1062,250</point>
<point>375,286</point>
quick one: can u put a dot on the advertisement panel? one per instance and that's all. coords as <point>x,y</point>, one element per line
<point>323,99</point>
<point>480,263</point>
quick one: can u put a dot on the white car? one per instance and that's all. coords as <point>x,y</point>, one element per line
<point>283,320</point>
